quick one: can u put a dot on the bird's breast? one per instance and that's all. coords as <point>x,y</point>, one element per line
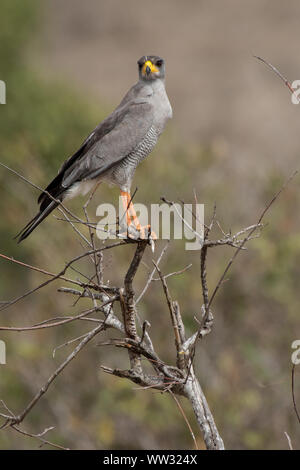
<point>162,108</point>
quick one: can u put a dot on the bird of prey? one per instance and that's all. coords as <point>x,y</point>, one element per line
<point>114,149</point>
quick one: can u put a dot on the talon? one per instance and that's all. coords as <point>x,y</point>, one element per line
<point>147,231</point>
<point>151,242</point>
<point>132,220</point>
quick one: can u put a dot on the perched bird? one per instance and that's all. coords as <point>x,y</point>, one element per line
<point>114,149</point>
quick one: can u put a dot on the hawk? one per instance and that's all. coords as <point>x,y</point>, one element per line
<point>114,149</point>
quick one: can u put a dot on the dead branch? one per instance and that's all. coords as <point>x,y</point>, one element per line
<point>177,380</point>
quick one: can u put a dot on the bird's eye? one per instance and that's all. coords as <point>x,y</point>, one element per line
<point>141,61</point>
<point>159,63</point>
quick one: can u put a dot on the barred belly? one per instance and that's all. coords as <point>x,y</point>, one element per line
<point>123,172</point>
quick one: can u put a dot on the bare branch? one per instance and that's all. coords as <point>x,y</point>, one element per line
<point>293,394</point>
<point>279,74</point>
<point>11,421</point>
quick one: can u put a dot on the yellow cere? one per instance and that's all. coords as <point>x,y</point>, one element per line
<point>153,68</point>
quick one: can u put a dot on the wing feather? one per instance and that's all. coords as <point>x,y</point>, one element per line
<point>128,127</point>
<point>111,141</point>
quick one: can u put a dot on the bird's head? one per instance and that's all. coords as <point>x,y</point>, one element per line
<point>151,67</point>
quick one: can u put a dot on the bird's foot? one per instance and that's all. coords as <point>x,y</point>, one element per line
<point>146,232</point>
<point>140,233</point>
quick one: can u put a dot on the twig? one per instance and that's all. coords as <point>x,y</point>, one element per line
<point>293,394</point>
<point>249,235</point>
<point>152,274</point>
<point>39,437</point>
<point>60,274</point>
<point>184,417</point>
<point>172,313</point>
<point>18,419</point>
<point>279,74</point>
<point>289,440</point>
<point>62,322</point>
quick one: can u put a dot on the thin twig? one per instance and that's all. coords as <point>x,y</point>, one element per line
<point>293,394</point>
<point>184,417</point>
<point>279,74</point>
<point>18,419</point>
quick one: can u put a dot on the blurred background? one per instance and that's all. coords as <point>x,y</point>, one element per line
<point>234,138</point>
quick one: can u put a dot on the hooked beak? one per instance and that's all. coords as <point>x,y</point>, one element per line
<point>149,67</point>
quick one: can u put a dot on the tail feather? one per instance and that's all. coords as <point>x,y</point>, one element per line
<point>36,221</point>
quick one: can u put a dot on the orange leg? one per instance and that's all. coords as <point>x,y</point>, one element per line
<point>126,200</point>
<point>131,215</point>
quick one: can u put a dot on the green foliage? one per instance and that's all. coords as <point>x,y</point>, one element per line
<point>18,23</point>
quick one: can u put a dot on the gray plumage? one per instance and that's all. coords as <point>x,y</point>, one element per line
<point>118,144</point>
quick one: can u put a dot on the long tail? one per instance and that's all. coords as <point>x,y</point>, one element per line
<point>36,221</point>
